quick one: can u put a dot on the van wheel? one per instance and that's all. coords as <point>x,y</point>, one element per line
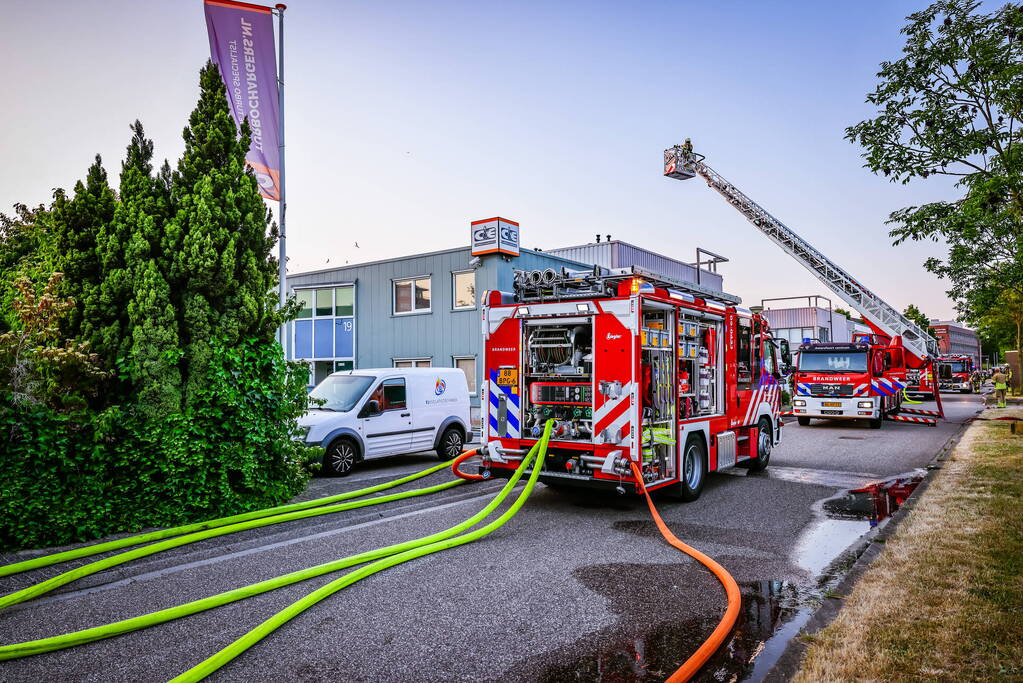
<point>765,442</point>
<point>340,458</point>
<point>803,421</point>
<point>451,444</point>
<point>694,471</point>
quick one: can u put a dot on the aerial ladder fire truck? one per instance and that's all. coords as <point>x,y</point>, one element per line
<point>634,368</point>
<point>863,379</point>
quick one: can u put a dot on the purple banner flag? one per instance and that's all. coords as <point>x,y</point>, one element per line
<point>242,45</point>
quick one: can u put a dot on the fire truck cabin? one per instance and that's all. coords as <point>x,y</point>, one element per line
<point>632,367</point>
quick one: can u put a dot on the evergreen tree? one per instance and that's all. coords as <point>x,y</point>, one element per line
<point>141,324</point>
<point>220,238</point>
<point>75,225</point>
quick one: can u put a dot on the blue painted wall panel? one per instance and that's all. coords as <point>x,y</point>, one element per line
<point>344,337</point>
<point>323,339</point>
<point>303,339</point>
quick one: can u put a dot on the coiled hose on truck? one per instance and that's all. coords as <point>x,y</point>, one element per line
<point>724,627</point>
<point>401,552</point>
<point>220,527</point>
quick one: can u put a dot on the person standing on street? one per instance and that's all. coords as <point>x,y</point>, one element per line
<point>1001,381</point>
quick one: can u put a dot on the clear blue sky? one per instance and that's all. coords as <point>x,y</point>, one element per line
<point>407,120</point>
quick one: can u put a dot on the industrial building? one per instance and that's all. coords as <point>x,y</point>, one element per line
<point>954,338</point>
<point>812,321</point>
<point>423,310</point>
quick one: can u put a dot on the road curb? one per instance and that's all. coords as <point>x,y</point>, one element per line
<point>866,551</point>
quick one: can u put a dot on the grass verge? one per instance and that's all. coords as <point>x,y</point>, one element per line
<point>945,599</point>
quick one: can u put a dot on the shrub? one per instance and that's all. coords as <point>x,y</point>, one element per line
<point>71,477</point>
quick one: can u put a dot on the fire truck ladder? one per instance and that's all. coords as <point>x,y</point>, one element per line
<point>681,163</point>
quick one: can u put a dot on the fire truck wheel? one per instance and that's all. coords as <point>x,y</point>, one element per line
<point>765,441</point>
<point>694,470</point>
<point>451,444</point>
<point>875,424</point>
<point>340,458</point>
<point>803,421</point>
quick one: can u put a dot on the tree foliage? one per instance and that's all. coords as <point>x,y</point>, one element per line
<point>37,366</point>
<point>144,386</point>
<point>22,247</point>
<point>952,105</point>
<point>917,316</point>
<point>220,236</point>
<point>1001,328</point>
<point>75,224</point>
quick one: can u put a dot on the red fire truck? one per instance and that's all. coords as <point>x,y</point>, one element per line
<point>955,373</point>
<point>633,367</point>
<point>862,379</point>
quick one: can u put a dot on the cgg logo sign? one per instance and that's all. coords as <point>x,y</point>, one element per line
<point>495,236</point>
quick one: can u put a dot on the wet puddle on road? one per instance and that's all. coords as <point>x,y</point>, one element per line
<point>773,612</point>
<point>767,606</point>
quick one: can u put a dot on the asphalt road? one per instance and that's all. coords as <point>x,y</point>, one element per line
<point>575,587</point>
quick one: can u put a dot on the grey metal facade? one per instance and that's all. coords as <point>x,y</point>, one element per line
<point>619,254</point>
<point>813,322</point>
<point>382,337</point>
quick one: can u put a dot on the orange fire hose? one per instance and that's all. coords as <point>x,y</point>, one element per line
<point>462,458</point>
<point>724,627</point>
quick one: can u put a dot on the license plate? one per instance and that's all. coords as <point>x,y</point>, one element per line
<point>831,412</point>
<point>508,377</point>
<point>831,404</point>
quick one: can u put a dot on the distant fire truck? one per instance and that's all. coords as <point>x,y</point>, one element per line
<point>633,367</point>
<point>955,373</point>
<point>862,379</point>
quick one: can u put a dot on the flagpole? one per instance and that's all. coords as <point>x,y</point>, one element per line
<point>282,205</point>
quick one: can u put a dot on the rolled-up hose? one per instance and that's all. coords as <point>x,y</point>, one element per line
<point>724,627</point>
<point>42,645</point>
<point>89,550</point>
<point>211,664</point>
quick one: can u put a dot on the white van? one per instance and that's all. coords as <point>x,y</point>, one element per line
<point>373,413</point>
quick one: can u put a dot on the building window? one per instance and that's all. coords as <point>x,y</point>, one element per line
<point>344,301</point>
<point>412,296</point>
<point>324,334</point>
<point>305,299</point>
<point>467,364</point>
<point>319,370</point>
<point>413,362</point>
<point>463,290</point>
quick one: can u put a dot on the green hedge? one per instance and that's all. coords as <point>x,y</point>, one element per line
<point>74,477</point>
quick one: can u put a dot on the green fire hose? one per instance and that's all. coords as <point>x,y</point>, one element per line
<point>211,664</point>
<point>67,577</point>
<point>89,550</point>
<point>43,645</point>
